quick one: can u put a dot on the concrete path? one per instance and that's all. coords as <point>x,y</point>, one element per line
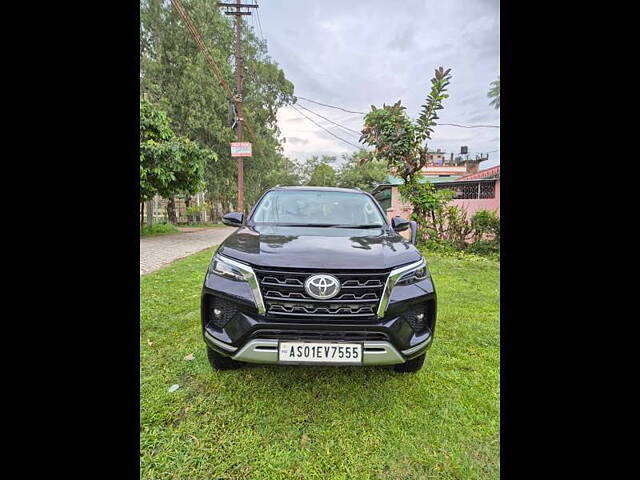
<point>163,249</point>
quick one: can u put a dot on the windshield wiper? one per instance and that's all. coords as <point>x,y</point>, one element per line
<point>325,225</point>
<point>304,225</point>
<point>358,226</point>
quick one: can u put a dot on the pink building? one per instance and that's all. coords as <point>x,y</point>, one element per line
<point>474,191</point>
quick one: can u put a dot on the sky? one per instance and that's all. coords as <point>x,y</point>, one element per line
<point>358,53</point>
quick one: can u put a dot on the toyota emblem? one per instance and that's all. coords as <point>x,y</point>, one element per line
<point>322,287</point>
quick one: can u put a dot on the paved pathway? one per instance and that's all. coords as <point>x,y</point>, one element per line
<point>158,251</point>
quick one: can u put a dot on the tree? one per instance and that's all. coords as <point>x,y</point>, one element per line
<point>323,176</point>
<point>401,143</point>
<point>306,168</point>
<point>169,165</point>
<point>365,176</point>
<point>284,173</point>
<point>494,93</point>
<point>174,75</point>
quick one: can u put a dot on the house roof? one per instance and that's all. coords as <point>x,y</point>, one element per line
<point>491,172</point>
<point>391,181</point>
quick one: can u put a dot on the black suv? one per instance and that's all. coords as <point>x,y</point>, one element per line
<point>317,276</point>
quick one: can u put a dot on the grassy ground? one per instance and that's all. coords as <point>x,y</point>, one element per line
<point>269,422</point>
<point>202,225</point>
<point>168,228</point>
<point>159,229</point>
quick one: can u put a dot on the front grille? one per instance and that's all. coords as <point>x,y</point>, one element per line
<point>321,335</point>
<point>286,299</point>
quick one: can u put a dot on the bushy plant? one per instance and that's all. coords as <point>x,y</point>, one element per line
<point>486,223</point>
<point>428,204</point>
<point>196,209</point>
<point>162,228</point>
<point>457,226</point>
<point>484,247</point>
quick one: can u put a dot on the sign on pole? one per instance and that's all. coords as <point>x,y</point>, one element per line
<point>240,149</point>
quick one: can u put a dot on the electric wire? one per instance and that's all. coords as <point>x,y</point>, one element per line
<point>330,121</point>
<point>325,129</point>
<point>364,113</point>
<point>197,37</point>
<point>259,23</point>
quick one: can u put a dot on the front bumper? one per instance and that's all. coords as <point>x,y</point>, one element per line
<point>252,336</point>
<point>265,351</point>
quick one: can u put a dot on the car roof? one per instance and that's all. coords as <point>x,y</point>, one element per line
<point>321,189</point>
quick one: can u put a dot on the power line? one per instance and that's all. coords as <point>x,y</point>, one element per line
<point>326,130</point>
<point>259,24</point>
<point>363,113</point>
<point>330,106</point>
<point>330,121</point>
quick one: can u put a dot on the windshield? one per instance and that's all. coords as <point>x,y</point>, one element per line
<point>318,208</point>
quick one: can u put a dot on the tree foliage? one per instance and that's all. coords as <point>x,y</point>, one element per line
<point>365,176</point>
<point>169,165</point>
<point>323,176</point>
<point>175,76</point>
<point>494,93</point>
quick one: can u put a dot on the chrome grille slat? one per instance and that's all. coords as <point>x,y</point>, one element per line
<point>286,298</point>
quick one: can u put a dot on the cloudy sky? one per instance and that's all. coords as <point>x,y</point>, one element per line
<point>357,53</point>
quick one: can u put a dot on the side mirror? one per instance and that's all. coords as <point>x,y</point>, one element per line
<point>399,224</point>
<point>233,219</point>
<point>414,231</point>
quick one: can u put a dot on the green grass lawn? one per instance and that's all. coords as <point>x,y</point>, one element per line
<point>158,229</point>
<point>202,225</point>
<point>270,422</point>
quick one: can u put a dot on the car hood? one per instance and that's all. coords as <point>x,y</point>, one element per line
<point>324,248</point>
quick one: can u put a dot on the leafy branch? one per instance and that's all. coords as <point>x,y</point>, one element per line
<point>396,138</point>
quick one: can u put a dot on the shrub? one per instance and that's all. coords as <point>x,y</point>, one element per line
<point>158,229</point>
<point>484,247</point>
<point>485,223</point>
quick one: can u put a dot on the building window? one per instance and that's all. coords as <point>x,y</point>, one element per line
<point>471,190</point>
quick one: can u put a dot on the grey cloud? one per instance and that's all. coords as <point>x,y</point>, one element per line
<point>297,141</point>
<point>402,41</point>
<point>362,52</point>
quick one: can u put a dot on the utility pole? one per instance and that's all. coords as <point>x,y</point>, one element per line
<point>235,9</point>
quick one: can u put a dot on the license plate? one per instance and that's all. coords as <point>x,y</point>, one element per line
<point>320,352</point>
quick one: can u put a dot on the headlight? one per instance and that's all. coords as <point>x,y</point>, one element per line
<point>241,272</point>
<point>417,274</point>
<point>406,275</point>
<point>224,268</point>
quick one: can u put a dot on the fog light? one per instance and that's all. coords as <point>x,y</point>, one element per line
<point>221,312</point>
<point>416,318</point>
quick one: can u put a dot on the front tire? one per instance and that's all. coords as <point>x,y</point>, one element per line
<point>220,362</point>
<point>412,365</point>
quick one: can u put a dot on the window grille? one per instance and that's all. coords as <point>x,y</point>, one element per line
<point>470,190</point>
